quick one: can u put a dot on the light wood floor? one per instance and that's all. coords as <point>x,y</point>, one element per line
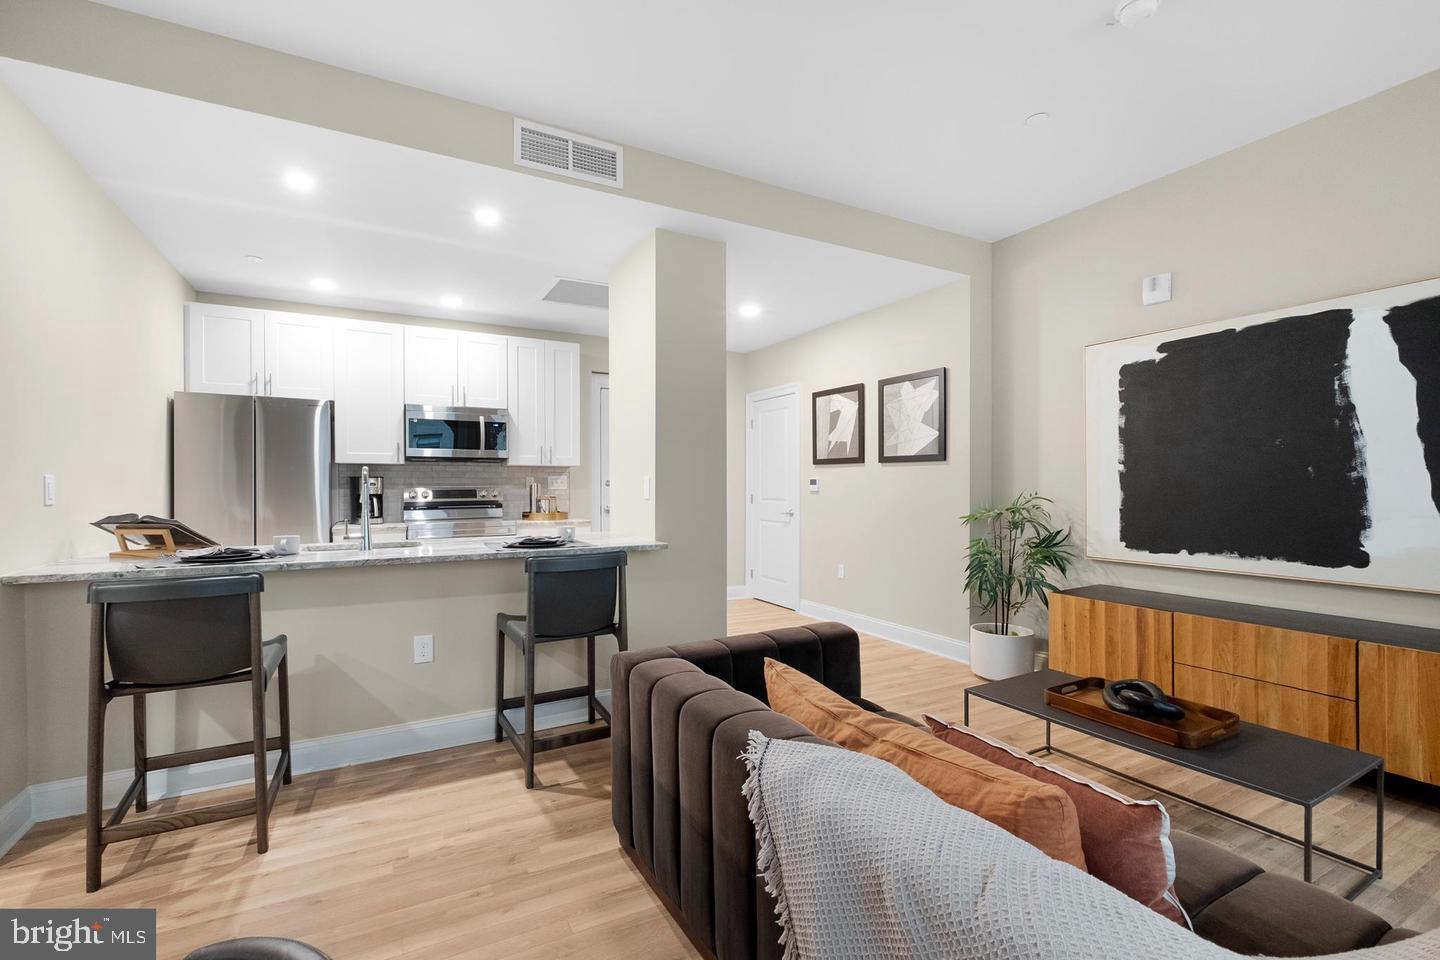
<point>446,855</point>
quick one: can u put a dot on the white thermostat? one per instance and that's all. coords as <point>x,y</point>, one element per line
<point>1155,289</point>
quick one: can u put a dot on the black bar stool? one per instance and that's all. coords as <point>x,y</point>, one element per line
<point>570,598</point>
<point>164,635</point>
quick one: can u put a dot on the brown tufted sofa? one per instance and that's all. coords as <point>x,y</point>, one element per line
<point>681,716</point>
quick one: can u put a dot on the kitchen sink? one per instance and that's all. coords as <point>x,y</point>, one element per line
<point>355,545</point>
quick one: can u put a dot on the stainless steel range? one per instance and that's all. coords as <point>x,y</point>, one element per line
<point>433,513</point>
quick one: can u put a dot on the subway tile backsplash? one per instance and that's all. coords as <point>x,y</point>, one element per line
<point>510,481</point>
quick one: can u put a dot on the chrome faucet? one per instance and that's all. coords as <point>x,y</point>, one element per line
<point>365,508</point>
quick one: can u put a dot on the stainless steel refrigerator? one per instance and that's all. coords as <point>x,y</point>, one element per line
<point>247,469</point>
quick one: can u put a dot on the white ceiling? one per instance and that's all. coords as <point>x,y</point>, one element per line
<point>914,109</point>
<point>394,227</point>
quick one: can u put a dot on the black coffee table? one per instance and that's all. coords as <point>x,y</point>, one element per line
<point>1295,769</point>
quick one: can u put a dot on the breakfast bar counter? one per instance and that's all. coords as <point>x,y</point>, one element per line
<point>322,557</point>
<point>356,622</point>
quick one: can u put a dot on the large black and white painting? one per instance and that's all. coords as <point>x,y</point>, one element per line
<point>1299,443</point>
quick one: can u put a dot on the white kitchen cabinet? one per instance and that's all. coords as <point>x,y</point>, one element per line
<point>431,366</point>
<point>562,414</point>
<point>299,356</point>
<point>369,392</point>
<point>544,402</point>
<point>525,391</point>
<point>484,370</point>
<point>224,349</point>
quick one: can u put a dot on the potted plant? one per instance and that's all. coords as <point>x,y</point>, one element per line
<point>1011,558</point>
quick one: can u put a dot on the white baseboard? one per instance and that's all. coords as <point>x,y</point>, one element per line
<point>737,591</point>
<point>65,798</point>
<point>953,648</point>
<point>15,820</point>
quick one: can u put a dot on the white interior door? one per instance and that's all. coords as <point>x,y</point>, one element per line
<point>600,451</point>
<point>772,510</point>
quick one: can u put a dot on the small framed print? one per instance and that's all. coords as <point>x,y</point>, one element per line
<point>838,425</point>
<point>912,417</point>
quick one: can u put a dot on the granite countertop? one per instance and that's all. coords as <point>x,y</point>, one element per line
<point>438,551</point>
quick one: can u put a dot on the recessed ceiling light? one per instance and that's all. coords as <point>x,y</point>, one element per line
<point>488,216</point>
<point>299,181</point>
<point>749,311</point>
<point>254,258</point>
<point>1131,13</point>
<point>1037,119</point>
<point>451,302</point>
<point>323,284</point>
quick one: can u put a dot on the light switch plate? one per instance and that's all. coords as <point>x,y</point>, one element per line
<point>47,494</point>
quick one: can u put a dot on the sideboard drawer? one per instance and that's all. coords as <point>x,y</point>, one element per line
<point>1093,638</point>
<point>1306,661</point>
<point>1400,709</point>
<point>1302,712</point>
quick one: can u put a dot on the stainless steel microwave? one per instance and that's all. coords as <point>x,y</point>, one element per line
<point>455,433</point>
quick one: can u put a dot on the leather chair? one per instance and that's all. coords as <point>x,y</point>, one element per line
<point>569,598</point>
<point>180,634</point>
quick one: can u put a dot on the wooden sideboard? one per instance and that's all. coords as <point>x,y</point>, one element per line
<point>1362,684</point>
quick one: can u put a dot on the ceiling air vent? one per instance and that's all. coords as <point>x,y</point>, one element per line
<point>568,154</point>
<point>581,293</point>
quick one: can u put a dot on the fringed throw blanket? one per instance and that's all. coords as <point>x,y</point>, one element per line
<point>865,863</point>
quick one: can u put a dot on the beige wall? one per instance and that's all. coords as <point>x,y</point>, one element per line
<point>735,469</point>
<point>667,409</point>
<point>1345,203</point>
<point>895,526</point>
<point>90,335</point>
<point>594,358</point>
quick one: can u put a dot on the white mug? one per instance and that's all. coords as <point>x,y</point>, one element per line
<point>287,545</point>
<point>567,533</point>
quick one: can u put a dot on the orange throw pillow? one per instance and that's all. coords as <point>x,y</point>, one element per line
<point>1126,841</point>
<point>1039,814</point>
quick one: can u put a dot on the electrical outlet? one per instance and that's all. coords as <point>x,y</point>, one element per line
<point>47,487</point>
<point>840,571</point>
<point>558,482</point>
<point>645,487</point>
<point>424,649</point>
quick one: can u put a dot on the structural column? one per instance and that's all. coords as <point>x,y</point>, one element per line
<point>667,429</point>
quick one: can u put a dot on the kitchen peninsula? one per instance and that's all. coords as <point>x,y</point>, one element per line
<point>322,557</point>
<point>352,618</point>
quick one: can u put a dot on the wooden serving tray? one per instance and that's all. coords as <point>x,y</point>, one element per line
<point>1202,725</point>
<point>557,515</point>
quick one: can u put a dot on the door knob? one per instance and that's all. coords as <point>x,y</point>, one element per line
<point>789,513</point>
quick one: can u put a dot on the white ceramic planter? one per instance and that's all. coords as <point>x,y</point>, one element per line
<point>995,656</point>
